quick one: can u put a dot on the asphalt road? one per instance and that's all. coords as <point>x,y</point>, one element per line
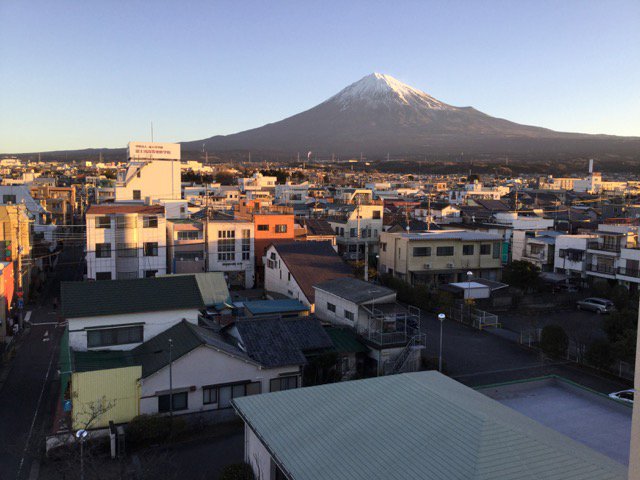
<point>478,358</point>
<point>27,398</point>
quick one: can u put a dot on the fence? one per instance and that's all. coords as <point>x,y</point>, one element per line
<point>475,317</point>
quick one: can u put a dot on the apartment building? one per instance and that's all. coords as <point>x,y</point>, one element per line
<point>185,246</point>
<point>441,256</point>
<point>152,173</point>
<point>231,249</point>
<point>615,255</point>
<point>289,193</point>
<point>356,226</point>
<point>60,202</point>
<point>570,255</point>
<point>126,241</point>
<point>256,182</point>
<point>271,228</point>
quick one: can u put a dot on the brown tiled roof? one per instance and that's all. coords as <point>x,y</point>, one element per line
<point>317,226</point>
<point>311,263</point>
<point>114,208</point>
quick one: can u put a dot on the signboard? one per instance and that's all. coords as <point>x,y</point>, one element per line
<point>20,303</point>
<point>67,405</point>
<point>149,150</point>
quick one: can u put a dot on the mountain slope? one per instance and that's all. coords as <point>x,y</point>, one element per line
<point>379,115</point>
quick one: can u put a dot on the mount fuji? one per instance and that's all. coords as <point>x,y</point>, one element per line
<point>379,114</point>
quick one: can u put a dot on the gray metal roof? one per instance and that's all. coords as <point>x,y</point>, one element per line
<point>354,290</point>
<point>419,426</point>
<point>451,235</point>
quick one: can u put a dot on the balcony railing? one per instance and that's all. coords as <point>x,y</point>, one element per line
<point>629,272</point>
<point>605,269</point>
<point>605,247</point>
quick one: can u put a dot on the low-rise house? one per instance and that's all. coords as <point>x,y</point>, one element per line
<point>292,269</point>
<point>571,256</point>
<point>185,246</point>
<point>391,331</point>
<point>282,308</point>
<point>536,247</point>
<point>231,249</point>
<point>357,229</point>
<point>121,314</point>
<point>434,428</point>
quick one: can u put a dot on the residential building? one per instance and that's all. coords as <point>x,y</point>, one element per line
<point>439,212</point>
<point>570,256</point>
<point>317,230</point>
<point>615,255</point>
<point>292,194</point>
<point>440,257</point>
<point>231,249</point>
<point>256,182</point>
<point>152,173</point>
<point>16,243</point>
<point>60,202</point>
<point>7,289</point>
<point>126,241</point>
<point>391,331</point>
<point>536,247</point>
<point>270,228</point>
<point>472,191</point>
<point>434,428</point>
<point>185,246</point>
<point>292,269</point>
<point>122,314</point>
<point>357,229</point>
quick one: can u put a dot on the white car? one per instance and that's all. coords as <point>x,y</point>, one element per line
<point>598,305</point>
<point>624,396</point>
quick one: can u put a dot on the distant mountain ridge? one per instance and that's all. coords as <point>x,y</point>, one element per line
<point>379,114</point>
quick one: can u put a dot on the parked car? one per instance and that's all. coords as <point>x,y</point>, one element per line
<point>623,396</point>
<point>598,305</point>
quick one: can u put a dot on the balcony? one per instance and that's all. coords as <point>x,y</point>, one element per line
<point>604,247</point>
<point>629,272</point>
<point>602,269</point>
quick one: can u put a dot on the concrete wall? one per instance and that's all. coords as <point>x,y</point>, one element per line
<point>159,179</point>
<point>256,454</point>
<point>153,322</point>
<point>202,367</point>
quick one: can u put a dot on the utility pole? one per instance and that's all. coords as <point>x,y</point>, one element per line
<point>171,381</point>
<point>19,253</point>
<point>429,212</point>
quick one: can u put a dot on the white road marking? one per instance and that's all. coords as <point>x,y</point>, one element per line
<point>35,415</point>
<point>27,316</point>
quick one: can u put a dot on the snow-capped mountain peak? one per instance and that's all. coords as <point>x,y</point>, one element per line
<point>378,88</point>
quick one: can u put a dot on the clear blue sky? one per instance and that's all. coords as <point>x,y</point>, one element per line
<point>94,73</point>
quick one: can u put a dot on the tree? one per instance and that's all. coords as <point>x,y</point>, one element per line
<point>521,274</point>
<point>225,178</point>
<point>554,341</point>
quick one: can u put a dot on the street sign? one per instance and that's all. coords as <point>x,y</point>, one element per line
<point>20,303</point>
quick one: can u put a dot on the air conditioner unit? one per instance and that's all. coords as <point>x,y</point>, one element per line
<point>450,265</point>
<point>427,266</point>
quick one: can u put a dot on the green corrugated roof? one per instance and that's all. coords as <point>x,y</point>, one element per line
<point>113,297</point>
<point>213,287</point>
<point>102,360</point>
<point>418,425</point>
<point>345,341</point>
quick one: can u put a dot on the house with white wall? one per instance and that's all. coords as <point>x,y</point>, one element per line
<point>293,268</point>
<point>125,241</point>
<point>122,314</point>
<point>570,256</point>
<point>355,226</point>
<point>152,173</point>
<point>231,249</point>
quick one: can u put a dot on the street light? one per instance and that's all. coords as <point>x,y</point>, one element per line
<point>81,435</point>
<point>469,275</point>
<point>441,317</point>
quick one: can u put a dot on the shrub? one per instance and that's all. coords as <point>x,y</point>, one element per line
<point>554,341</point>
<point>237,471</point>
<point>150,429</point>
<point>600,354</point>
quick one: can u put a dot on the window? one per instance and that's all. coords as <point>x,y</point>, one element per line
<point>246,244</point>
<point>136,195</point>
<point>103,250</point>
<point>126,275</point>
<point>281,229</point>
<point>209,395</point>
<point>150,222</point>
<point>444,251</point>
<point>226,245</point>
<point>485,249</point>
<point>353,232</point>
<point>188,235</point>
<point>151,249</point>
<point>150,273</point>
<point>125,222</point>
<point>383,246</point>
<point>103,222</point>
<point>8,199</point>
<point>283,383</point>
<point>467,249</point>
<point>106,337</point>
<point>376,215</point>
<point>421,251</point>
<point>103,275</point>
<point>263,228</point>
<point>227,392</point>
<point>126,250</point>
<point>180,402</point>
<point>331,307</point>
<point>349,315</point>
<point>496,250</point>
